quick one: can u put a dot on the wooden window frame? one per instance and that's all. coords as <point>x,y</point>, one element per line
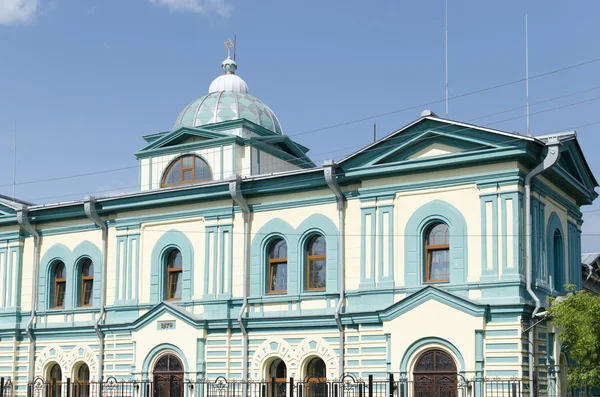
<point>271,263</point>
<point>182,170</point>
<point>170,271</point>
<point>310,258</point>
<point>430,248</point>
<point>85,278</point>
<point>58,281</point>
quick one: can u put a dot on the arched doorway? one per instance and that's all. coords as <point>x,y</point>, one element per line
<point>168,376</point>
<point>82,381</point>
<point>435,375</point>
<point>277,376</point>
<point>316,382</point>
<point>55,381</point>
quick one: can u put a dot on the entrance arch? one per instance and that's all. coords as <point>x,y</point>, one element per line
<point>82,381</point>
<point>55,376</point>
<point>435,375</point>
<point>277,372</point>
<point>168,376</point>
<point>316,374</point>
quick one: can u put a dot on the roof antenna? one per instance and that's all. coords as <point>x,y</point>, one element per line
<point>234,45</point>
<point>15,164</point>
<point>446,58</point>
<point>527,74</point>
<point>374,132</point>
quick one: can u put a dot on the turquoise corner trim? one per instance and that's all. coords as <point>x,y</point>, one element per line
<point>367,259</point>
<point>160,349</point>
<point>511,266</point>
<point>11,265</point>
<point>430,341</point>
<point>218,262</point>
<point>479,362</point>
<point>556,253</point>
<point>385,278</point>
<point>435,210</point>
<point>72,260</point>
<point>489,271</point>
<point>127,269</point>
<point>574,257</point>
<point>173,239</point>
<point>296,240</point>
<point>538,241</point>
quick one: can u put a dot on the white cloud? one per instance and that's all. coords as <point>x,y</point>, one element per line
<point>13,12</point>
<point>201,6</point>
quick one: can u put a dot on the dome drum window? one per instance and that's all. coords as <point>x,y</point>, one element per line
<point>186,169</point>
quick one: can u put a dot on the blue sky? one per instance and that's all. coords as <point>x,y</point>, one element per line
<point>85,79</point>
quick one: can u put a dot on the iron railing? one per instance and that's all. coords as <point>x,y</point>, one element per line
<point>347,386</point>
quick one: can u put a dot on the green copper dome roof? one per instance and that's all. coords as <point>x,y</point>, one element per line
<point>227,105</point>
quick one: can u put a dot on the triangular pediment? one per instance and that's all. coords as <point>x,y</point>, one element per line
<point>184,138</point>
<point>429,139</point>
<point>431,143</point>
<point>572,162</point>
<point>439,295</point>
<point>164,307</point>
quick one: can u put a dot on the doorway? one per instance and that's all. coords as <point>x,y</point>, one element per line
<point>435,375</point>
<point>55,381</point>
<point>316,378</point>
<point>168,377</point>
<point>277,372</point>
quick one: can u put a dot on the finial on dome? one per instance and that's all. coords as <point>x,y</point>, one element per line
<point>229,66</point>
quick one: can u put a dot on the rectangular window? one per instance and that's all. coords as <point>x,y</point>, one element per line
<point>87,292</point>
<point>278,277</point>
<point>59,294</point>
<point>174,292</point>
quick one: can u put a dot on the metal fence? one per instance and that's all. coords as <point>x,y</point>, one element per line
<point>6,388</point>
<point>346,386</point>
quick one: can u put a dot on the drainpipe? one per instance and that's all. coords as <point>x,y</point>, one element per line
<point>90,211</point>
<point>235,190</point>
<point>23,219</point>
<point>551,158</point>
<point>329,169</point>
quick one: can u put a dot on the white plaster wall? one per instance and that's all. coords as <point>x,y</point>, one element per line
<point>424,321</point>
<point>464,198</point>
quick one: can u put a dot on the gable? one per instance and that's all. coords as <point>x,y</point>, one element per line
<point>429,139</point>
<point>185,139</point>
<point>435,149</point>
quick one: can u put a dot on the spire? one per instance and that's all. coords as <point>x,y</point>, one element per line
<point>228,81</point>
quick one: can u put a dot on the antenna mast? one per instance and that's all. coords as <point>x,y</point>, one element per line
<point>446,58</point>
<point>234,45</point>
<point>527,74</point>
<point>15,163</point>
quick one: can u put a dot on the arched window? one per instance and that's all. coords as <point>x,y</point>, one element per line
<point>277,371</point>
<point>559,261</point>
<point>174,275</point>
<point>82,381</point>
<point>277,281</point>
<point>55,381</point>
<point>437,253</point>
<point>435,375</point>
<point>60,284</point>
<point>186,169</point>
<point>316,264</point>
<point>168,377</point>
<point>87,283</point>
<point>316,376</point>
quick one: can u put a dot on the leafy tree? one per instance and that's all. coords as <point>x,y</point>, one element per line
<point>577,318</point>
